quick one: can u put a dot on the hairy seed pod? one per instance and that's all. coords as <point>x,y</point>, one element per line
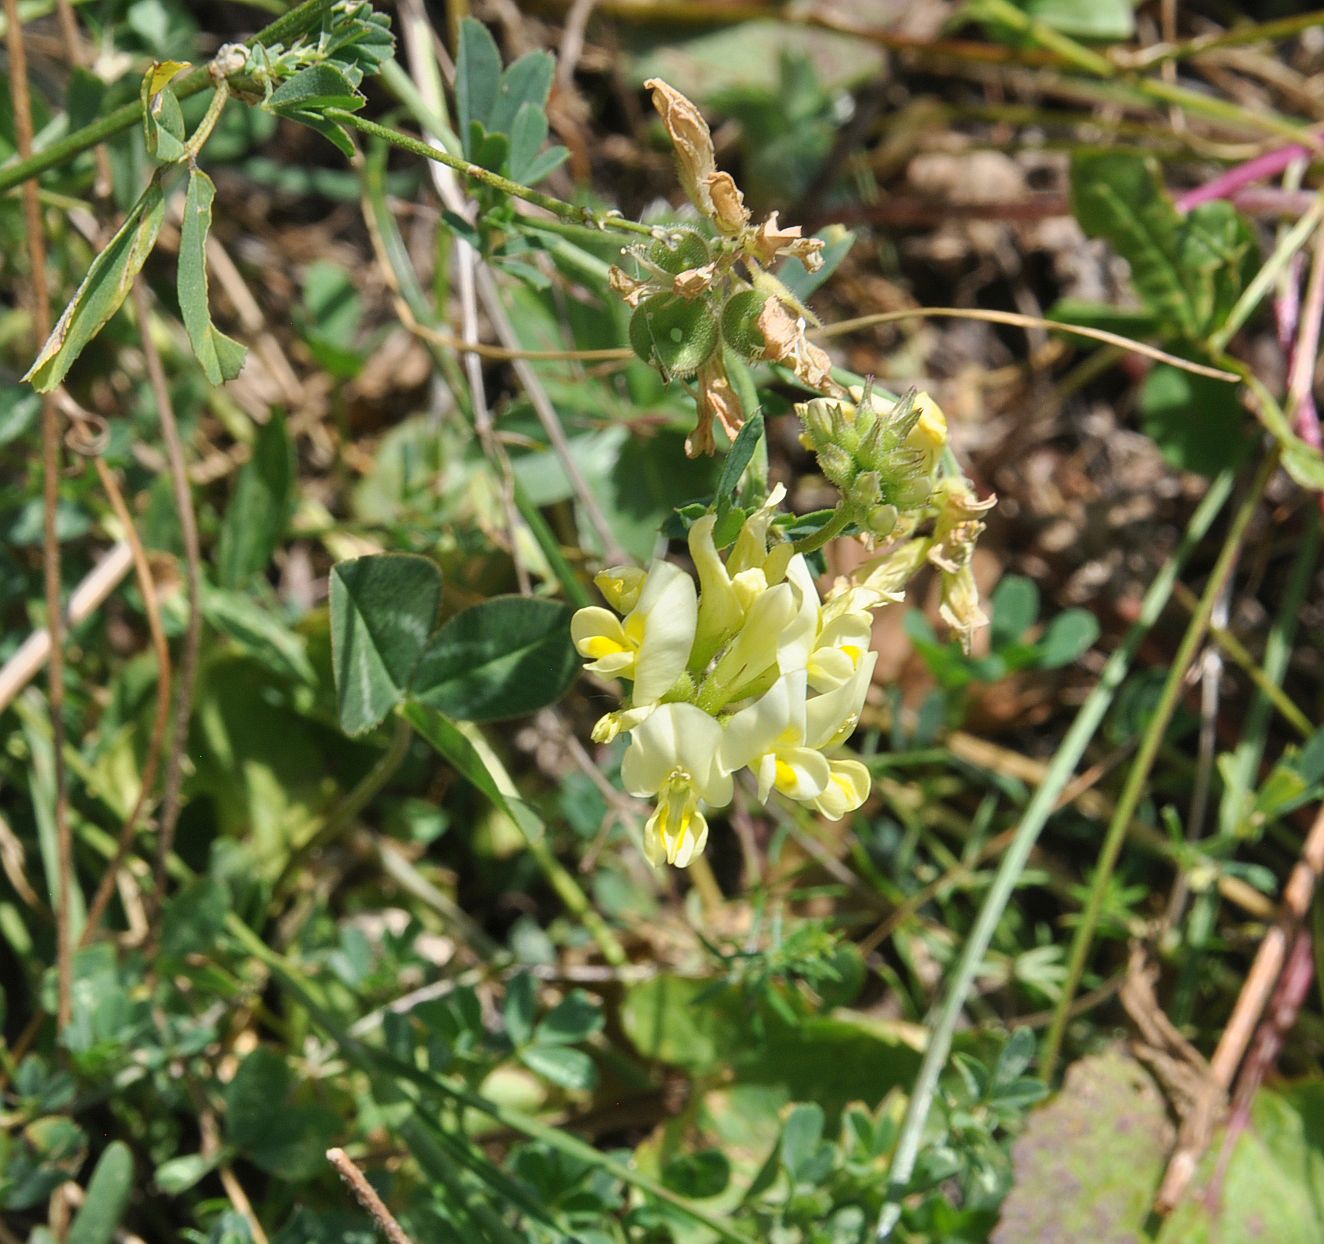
<point>674,334</point>
<point>679,252</point>
<point>740,324</point>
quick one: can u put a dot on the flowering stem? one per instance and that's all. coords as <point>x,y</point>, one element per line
<point>1040,808</point>
<point>828,531</point>
<point>284,28</point>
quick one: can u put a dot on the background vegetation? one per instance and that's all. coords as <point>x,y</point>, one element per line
<point>248,915</point>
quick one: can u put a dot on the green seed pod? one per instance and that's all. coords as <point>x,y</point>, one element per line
<point>836,464</point>
<point>674,334</point>
<point>679,252</point>
<point>740,323</point>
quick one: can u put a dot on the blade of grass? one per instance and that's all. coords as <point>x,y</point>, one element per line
<point>1040,808</point>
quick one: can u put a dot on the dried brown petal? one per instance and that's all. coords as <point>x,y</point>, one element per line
<point>787,343</point>
<point>729,212</point>
<point>633,291</point>
<point>771,240</point>
<point>717,400</point>
<point>692,140</point>
<point>695,281</point>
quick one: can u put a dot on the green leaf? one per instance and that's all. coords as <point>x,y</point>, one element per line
<point>260,507</point>
<point>383,609</point>
<point>526,81</point>
<point>519,1009</point>
<point>1189,270</point>
<point>180,1174</point>
<point>1219,256</point>
<point>105,287</point>
<point>222,357</point>
<point>277,1134</point>
<point>311,90</point>
<point>1085,19</point>
<point>570,1068</point>
<point>163,124</point>
<point>1015,606</point>
<point>503,658</point>
<point>575,1018</point>
<point>1120,198</point>
<point>1104,1137</point>
<point>528,132</point>
<point>477,78</point>
<point>733,467</point>
<point>701,1174</point>
<point>1069,636</point>
<point>163,120</point>
<point>107,1197</point>
<point>1198,423</point>
<point>260,633</point>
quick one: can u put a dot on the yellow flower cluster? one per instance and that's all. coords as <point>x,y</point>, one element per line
<point>751,669</point>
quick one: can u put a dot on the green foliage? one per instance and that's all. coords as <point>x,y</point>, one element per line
<point>263,501</point>
<point>107,1197</point>
<point>436,943</point>
<point>1016,641</point>
<point>503,658</point>
<point>383,610</point>
<point>221,357</point>
<point>1189,270</point>
<point>103,290</point>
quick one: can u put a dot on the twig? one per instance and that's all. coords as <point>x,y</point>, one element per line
<point>188,657</point>
<point>1014,318</point>
<point>1261,168</point>
<point>366,1195</point>
<point>1305,355</point>
<point>164,679</point>
<point>97,584</point>
<point>467,261</point>
<point>1293,985</point>
<point>1255,992</point>
<point>50,541</point>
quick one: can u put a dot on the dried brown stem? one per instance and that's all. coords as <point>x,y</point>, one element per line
<point>50,458</point>
<point>151,605</point>
<point>188,657</point>
<point>1248,1011</point>
<point>366,1195</point>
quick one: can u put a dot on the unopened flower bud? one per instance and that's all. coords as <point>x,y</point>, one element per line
<point>620,586</point>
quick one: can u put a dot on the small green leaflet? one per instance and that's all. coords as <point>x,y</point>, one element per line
<point>103,290</point>
<point>383,609</point>
<point>222,357</point>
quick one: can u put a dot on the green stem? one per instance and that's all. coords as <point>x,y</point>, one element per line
<point>828,531</point>
<point>1036,815</point>
<point>208,123</point>
<point>476,172</point>
<point>294,23</point>
<point>1138,777</point>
